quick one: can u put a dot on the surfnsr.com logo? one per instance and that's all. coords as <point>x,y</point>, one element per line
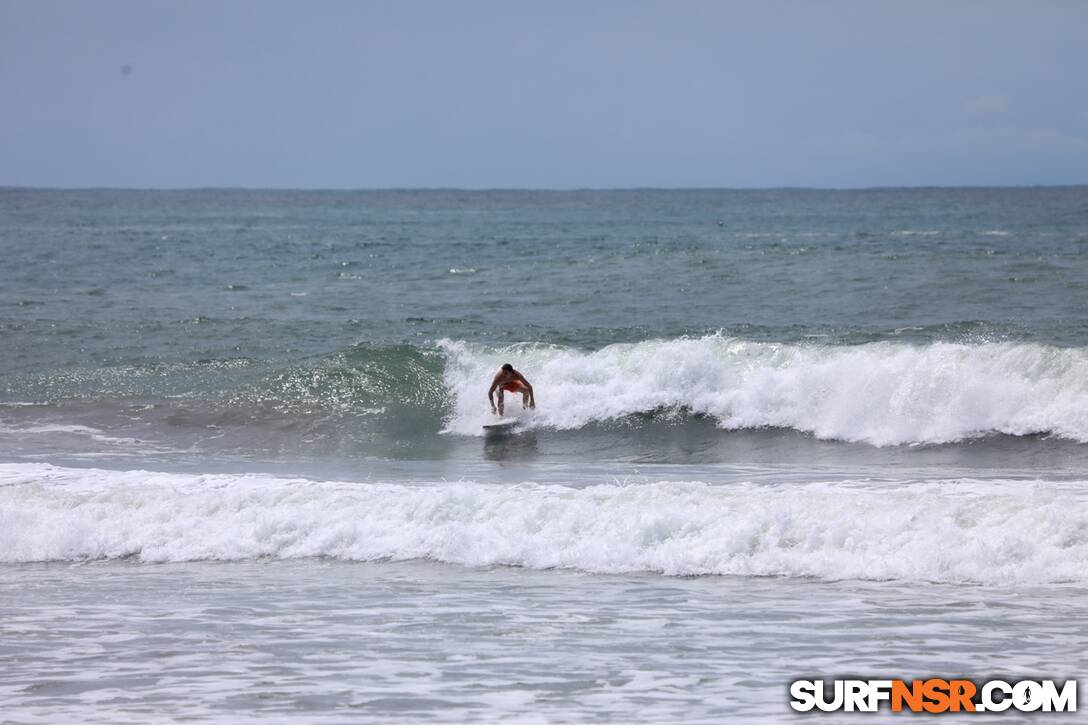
<point>933,695</point>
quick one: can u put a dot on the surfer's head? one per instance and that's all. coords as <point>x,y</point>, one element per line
<point>508,367</point>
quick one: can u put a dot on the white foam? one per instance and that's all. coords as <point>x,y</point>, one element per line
<point>51,428</point>
<point>80,430</point>
<point>1000,532</point>
<point>883,393</point>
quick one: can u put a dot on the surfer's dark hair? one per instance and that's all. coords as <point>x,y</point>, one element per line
<point>508,367</point>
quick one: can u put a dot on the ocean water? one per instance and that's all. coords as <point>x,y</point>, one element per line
<point>781,434</point>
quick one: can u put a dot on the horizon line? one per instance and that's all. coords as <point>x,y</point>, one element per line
<point>544,189</point>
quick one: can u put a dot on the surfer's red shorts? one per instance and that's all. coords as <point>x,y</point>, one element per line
<point>515,386</point>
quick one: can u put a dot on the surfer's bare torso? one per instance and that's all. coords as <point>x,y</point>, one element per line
<point>509,380</point>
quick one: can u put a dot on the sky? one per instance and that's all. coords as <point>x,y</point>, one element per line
<point>530,94</point>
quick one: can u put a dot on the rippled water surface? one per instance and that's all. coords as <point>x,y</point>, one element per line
<point>334,642</point>
<point>780,434</point>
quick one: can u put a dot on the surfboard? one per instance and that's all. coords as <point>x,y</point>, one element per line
<point>502,425</point>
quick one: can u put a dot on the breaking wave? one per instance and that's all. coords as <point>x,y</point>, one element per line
<point>881,393</point>
<point>957,531</point>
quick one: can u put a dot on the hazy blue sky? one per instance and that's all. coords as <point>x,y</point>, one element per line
<point>542,94</point>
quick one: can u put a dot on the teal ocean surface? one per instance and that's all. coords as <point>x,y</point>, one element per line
<point>779,434</point>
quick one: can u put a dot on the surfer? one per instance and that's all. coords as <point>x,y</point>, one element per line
<point>511,381</point>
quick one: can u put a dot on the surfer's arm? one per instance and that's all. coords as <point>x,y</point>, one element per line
<point>529,387</point>
<point>491,392</point>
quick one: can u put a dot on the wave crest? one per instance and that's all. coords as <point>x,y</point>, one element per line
<point>879,393</point>
<point>1009,533</point>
